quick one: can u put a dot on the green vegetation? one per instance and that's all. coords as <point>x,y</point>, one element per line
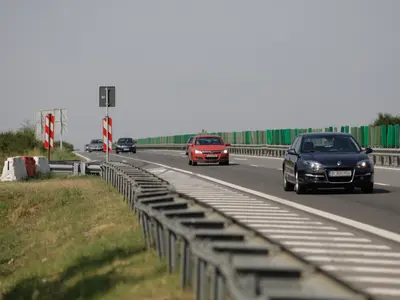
<point>384,132</point>
<point>24,142</point>
<point>386,119</point>
<point>75,238</point>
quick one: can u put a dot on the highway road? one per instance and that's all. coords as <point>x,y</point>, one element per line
<point>381,209</point>
<point>320,227</point>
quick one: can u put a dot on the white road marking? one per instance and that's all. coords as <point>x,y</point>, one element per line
<point>384,291</point>
<point>345,252</point>
<point>360,269</point>
<point>370,279</point>
<point>282,218</point>
<point>282,231</point>
<point>254,166</point>
<point>320,238</point>
<point>330,245</point>
<point>384,184</point>
<point>355,224</point>
<point>354,260</point>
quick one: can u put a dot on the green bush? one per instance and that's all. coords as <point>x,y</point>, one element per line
<point>24,142</point>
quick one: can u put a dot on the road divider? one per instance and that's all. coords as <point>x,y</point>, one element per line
<point>381,156</point>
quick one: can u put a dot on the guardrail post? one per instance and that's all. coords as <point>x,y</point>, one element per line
<point>83,168</point>
<point>76,169</point>
<point>218,288</point>
<point>186,266</point>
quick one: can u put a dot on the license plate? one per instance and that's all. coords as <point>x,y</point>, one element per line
<point>212,155</point>
<point>339,173</point>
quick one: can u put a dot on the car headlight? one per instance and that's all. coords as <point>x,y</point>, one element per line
<point>197,151</point>
<point>225,151</point>
<point>364,163</point>
<point>313,165</point>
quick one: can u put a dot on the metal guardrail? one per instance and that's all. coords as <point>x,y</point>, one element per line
<point>75,167</point>
<point>388,157</point>
<point>218,257</point>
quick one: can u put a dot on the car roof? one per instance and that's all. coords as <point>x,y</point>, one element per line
<point>207,136</point>
<point>318,134</point>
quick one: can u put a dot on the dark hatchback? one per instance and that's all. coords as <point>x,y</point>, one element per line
<point>125,145</point>
<point>327,160</point>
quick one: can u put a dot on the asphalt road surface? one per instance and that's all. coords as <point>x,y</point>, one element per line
<point>380,209</point>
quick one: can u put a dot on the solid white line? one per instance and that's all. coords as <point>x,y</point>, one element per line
<point>254,166</point>
<point>237,158</point>
<point>81,156</point>
<point>330,245</point>
<point>352,260</point>
<point>345,252</point>
<point>384,184</point>
<point>320,238</point>
<point>338,233</point>
<point>384,291</point>
<point>360,269</point>
<point>362,226</point>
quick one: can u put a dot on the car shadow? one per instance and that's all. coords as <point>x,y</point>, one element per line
<point>343,191</point>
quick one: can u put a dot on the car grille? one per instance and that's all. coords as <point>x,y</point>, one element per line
<point>341,179</point>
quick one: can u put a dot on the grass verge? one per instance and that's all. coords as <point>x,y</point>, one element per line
<point>56,154</point>
<point>74,238</point>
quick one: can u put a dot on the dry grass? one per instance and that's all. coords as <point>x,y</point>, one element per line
<point>74,238</point>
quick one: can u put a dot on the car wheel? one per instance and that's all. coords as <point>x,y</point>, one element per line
<point>224,163</point>
<point>194,163</point>
<point>287,186</point>
<point>117,152</point>
<point>298,187</point>
<point>189,161</point>
<point>368,189</point>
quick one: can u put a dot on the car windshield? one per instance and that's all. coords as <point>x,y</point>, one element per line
<point>125,140</point>
<point>96,142</point>
<point>330,143</point>
<point>209,141</point>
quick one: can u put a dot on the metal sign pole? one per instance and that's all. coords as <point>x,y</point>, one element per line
<point>107,153</point>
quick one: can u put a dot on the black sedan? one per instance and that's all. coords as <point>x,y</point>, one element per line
<point>327,160</point>
<point>125,145</point>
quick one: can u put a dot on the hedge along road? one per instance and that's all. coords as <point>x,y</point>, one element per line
<point>380,209</point>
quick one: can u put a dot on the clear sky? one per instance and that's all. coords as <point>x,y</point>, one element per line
<point>180,66</point>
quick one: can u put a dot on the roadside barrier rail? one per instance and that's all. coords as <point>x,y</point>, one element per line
<point>75,167</point>
<point>217,257</point>
<point>388,157</point>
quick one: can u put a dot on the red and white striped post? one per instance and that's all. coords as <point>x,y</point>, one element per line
<point>107,140</point>
<point>49,134</point>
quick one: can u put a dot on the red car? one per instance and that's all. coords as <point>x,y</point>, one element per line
<point>208,149</point>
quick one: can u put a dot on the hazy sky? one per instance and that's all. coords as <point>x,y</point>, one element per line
<point>180,66</point>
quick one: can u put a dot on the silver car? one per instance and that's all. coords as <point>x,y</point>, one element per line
<point>96,145</point>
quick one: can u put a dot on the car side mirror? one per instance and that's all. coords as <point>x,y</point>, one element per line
<point>292,152</point>
<point>190,145</point>
<point>368,150</point>
<point>227,145</point>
